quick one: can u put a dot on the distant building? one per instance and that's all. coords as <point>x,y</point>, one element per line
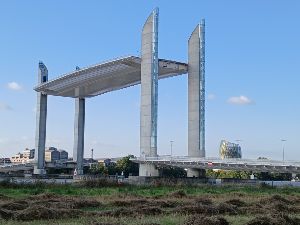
<point>18,158</point>
<point>109,161</point>
<point>28,153</point>
<point>5,161</point>
<point>230,150</point>
<point>26,156</point>
<point>89,160</point>
<point>52,154</point>
<point>63,154</point>
<point>106,162</point>
<point>50,148</point>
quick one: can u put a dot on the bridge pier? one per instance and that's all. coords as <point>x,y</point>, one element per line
<point>196,172</point>
<point>148,170</point>
<point>78,149</point>
<point>193,173</point>
<point>149,93</point>
<point>41,119</point>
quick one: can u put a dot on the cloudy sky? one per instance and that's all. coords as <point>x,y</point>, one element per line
<point>252,73</point>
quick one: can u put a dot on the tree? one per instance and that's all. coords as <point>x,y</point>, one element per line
<point>228,174</point>
<point>273,176</point>
<point>126,166</point>
<point>97,169</point>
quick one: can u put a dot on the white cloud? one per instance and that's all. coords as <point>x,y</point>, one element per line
<point>14,86</point>
<point>240,100</point>
<point>4,107</point>
<point>211,96</point>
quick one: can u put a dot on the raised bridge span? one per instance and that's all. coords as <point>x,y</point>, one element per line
<point>223,164</point>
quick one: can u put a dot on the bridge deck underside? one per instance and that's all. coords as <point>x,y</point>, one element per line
<point>105,77</point>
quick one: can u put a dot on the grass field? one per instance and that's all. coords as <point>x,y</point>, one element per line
<point>129,205</point>
<point>20,191</point>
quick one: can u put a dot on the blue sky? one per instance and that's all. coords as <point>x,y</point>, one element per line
<point>252,73</point>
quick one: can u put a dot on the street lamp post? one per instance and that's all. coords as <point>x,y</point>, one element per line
<point>171,142</point>
<point>92,154</point>
<point>283,140</point>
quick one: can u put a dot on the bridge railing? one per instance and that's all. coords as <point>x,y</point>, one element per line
<point>254,162</point>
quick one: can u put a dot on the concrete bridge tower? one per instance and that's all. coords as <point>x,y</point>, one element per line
<point>196,94</point>
<point>149,93</point>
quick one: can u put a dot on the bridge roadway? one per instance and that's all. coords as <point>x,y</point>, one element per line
<point>29,166</point>
<point>260,165</point>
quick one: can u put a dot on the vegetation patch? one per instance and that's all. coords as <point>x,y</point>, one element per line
<point>277,219</point>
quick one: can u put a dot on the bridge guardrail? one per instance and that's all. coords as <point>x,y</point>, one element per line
<point>240,162</point>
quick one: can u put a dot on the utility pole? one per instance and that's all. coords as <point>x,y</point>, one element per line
<point>283,140</point>
<point>92,153</point>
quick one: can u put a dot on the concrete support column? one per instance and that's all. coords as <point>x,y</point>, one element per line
<point>149,93</point>
<point>41,117</point>
<point>196,94</point>
<point>78,150</point>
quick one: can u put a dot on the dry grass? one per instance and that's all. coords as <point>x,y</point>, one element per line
<point>175,207</point>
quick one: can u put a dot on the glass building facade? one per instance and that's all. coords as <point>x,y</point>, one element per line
<point>230,150</point>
